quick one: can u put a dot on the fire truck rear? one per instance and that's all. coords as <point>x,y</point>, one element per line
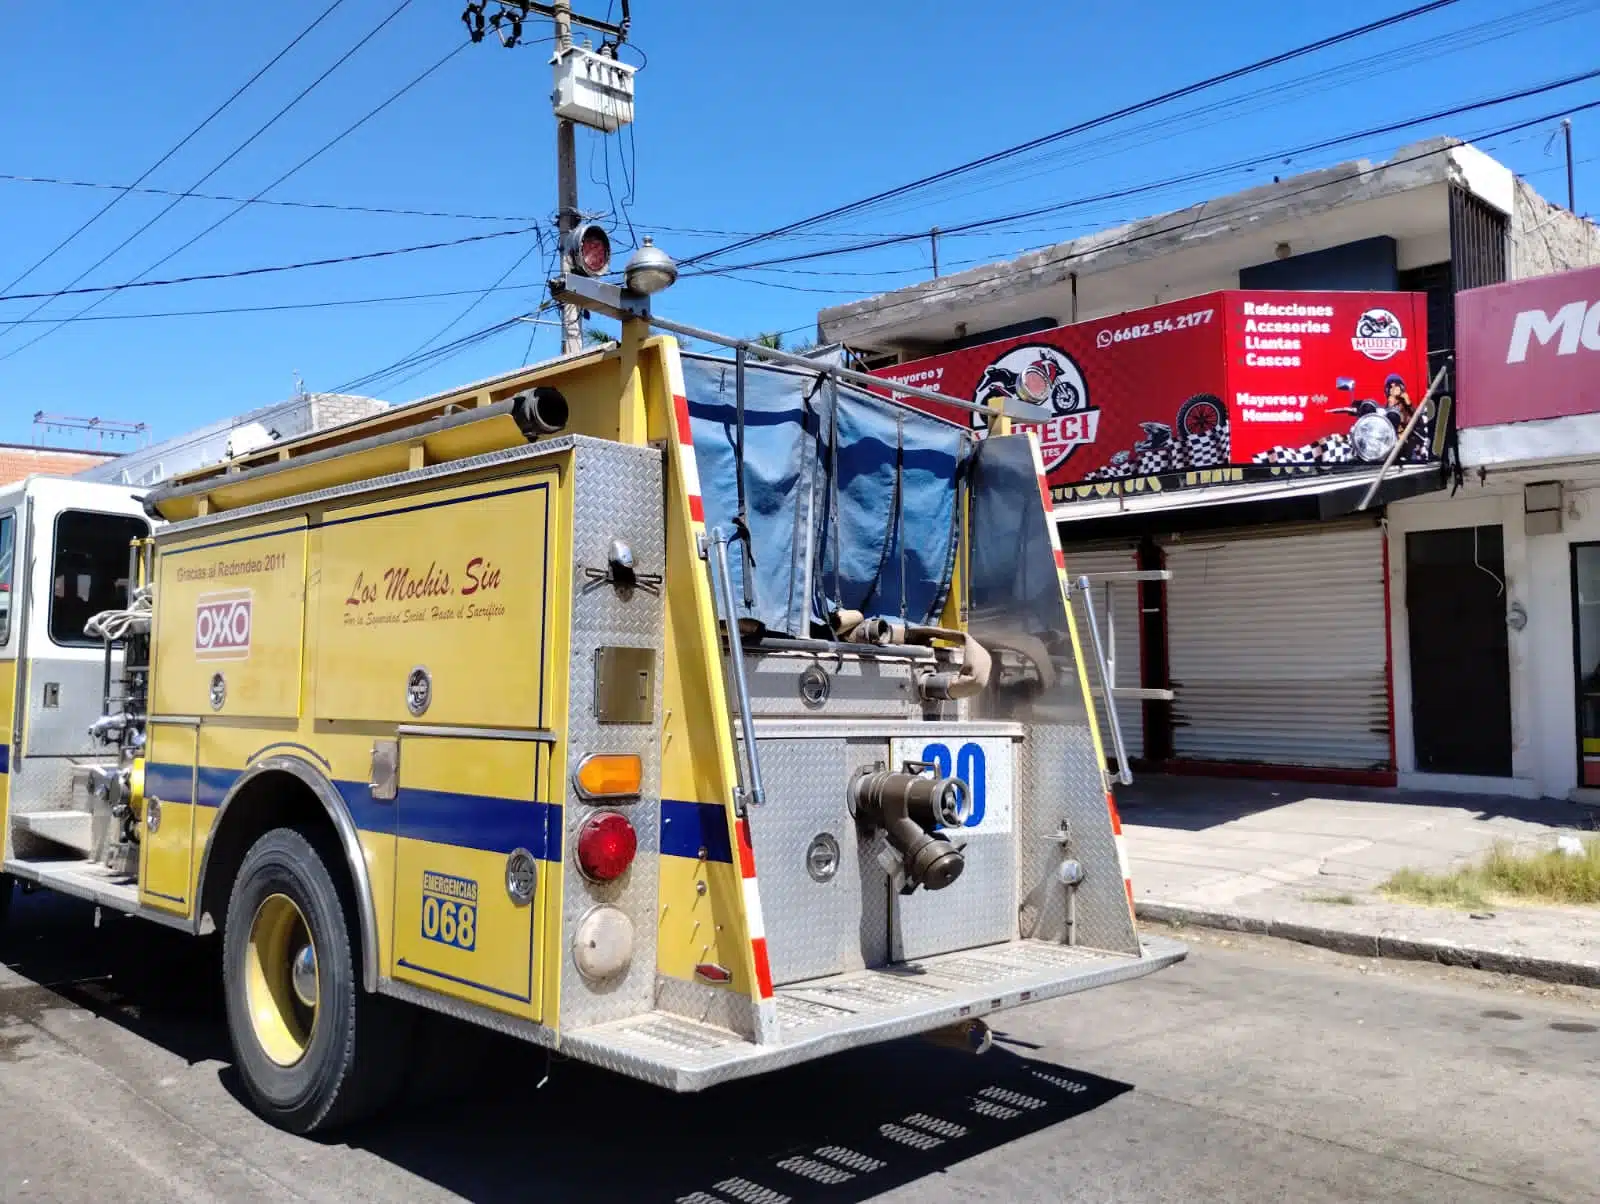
<point>688,715</point>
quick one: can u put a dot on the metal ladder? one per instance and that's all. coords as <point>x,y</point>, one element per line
<point>1107,661</point>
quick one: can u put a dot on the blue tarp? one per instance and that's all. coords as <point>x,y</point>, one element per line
<point>851,501</point>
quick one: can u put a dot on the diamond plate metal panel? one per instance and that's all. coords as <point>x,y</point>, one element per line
<point>814,928</point>
<point>617,494</point>
<point>41,784</point>
<point>884,688</point>
<point>1062,783</point>
<point>718,1006</point>
<point>978,908</point>
<point>62,730</point>
<point>857,1009</point>
<point>1018,607</point>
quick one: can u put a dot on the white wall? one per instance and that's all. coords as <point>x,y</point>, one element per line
<point>1544,725</point>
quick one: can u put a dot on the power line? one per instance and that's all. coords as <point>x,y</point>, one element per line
<point>537,244</point>
<point>436,355</point>
<point>297,305</point>
<point>936,289</point>
<point>332,206</point>
<point>1163,184</point>
<point>326,146</point>
<point>1083,126</point>
<point>228,158</point>
<point>1161,127</point>
<point>174,149</point>
<point>240,273</point>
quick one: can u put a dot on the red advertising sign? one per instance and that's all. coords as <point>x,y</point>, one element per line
<point>1530,349</point>
<point>1230,386</point>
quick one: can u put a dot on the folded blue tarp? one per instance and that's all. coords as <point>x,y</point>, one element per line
<point>850,501</point>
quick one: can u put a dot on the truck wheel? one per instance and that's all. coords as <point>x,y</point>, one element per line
<point>313,1049</point>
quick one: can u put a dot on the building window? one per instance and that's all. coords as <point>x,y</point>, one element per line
<point>1586,639</point>
<point>90,564</point>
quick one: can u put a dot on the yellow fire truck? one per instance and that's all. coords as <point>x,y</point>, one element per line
<point>687,714</point>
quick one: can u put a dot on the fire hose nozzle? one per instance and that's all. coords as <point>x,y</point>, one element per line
<point>910,806</point>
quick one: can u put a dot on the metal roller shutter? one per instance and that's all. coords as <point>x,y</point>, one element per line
<point>1125,620</point>
<point>1277,648</point>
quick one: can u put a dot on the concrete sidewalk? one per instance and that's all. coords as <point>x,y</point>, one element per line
<point>1304,862</point>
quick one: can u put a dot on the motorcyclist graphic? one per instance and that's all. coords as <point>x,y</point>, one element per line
<point>1396,400</point>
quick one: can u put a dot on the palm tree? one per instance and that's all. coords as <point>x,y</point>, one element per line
<point>597,337</point>
<point>773,340</point>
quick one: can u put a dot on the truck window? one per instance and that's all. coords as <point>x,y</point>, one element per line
<point>90,570</point>
<point>8,543</point>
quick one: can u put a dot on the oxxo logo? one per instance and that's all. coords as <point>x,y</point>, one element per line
<point>1574,324</point>
<point>222,626</point>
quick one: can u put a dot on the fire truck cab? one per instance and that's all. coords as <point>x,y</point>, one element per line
<point>688,715</point>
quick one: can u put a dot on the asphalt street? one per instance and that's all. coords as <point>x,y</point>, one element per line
<point>1256,1070</point>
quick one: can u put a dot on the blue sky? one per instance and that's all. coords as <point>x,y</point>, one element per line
<point>749,115</point>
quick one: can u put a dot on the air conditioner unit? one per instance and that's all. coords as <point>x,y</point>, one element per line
<point>592,89</point>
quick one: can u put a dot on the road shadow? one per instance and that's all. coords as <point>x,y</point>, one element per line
<point>1193,804</point>
<point>162,985</point>
<point>497,1120</point>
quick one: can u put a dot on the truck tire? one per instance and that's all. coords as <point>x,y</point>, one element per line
<point>314,1050</point>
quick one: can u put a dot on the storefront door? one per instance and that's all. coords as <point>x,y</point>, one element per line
<point>1586,646</point>
<point>1460,662</point>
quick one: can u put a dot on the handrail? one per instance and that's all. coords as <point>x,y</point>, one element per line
<point>1124,775</point>
<point>750,789</point>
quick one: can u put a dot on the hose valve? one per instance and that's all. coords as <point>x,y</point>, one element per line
<point>911,807</point>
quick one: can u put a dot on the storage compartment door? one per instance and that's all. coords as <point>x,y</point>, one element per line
<point>229,625</point>
<point>432,608</point>
<point>473,824</point>
<point>166,845</point>
<point>980,907</point>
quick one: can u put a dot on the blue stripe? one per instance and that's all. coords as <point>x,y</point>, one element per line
<point>5,758</point>
<point>467,982</point>
<point>472,821</point>
<point>687,828</point>
<point>479,821</point>
<point>167,782</point>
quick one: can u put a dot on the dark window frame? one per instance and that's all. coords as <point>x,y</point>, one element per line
<point>80,640</point>
<point>8,581</point>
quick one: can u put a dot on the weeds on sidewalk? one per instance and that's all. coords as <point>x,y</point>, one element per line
<point>1543,876</point>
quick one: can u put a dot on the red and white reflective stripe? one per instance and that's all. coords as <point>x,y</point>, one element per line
<point>687,465</point>
<point>752,911</point>
<point>1122,847</point>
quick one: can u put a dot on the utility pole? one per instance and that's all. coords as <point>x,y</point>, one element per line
<point>1572,200</point>
<point>592,88</point>
<point>933,241</point>
<point>566,186</point>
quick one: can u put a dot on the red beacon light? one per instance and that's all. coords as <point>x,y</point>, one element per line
<point>588,249</point>
<point>606,846</point>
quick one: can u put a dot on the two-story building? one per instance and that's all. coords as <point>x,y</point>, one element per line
<point>1264,489</point>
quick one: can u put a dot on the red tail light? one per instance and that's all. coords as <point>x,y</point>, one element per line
<point>606,845</point>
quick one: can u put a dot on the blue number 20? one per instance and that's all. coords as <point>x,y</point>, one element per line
<point>969,765</point>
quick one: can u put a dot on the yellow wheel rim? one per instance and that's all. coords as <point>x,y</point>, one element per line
<point>281,982</point>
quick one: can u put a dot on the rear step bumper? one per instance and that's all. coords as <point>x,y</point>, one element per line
<point>827,1015</point>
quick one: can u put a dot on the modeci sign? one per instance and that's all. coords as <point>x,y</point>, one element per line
<point>1573,324</point>
<point>1529,350</point>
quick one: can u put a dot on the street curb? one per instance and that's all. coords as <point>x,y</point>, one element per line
<point>1366,944</point>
